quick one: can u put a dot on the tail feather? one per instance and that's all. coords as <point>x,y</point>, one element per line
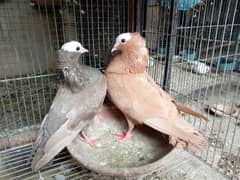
<point>56,143</point>
<point>179,133</point>
<point>187,110</point>
<point>47,157</point>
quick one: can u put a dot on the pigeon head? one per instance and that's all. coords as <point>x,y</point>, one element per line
<point>126,42</point>
<point>74,46</point>
<point>69,54</point>
<point>67,64</point>
<point>130,54</point>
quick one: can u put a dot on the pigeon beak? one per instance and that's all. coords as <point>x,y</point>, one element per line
<point>83,50</point>
<point>114,51</point>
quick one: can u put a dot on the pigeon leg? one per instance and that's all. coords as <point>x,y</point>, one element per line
<point>126,135</point>
<point>87,140</point>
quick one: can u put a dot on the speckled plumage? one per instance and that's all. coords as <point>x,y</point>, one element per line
<point>78,99</point>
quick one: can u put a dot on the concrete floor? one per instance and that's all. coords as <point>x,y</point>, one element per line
<point>189,88</point>
<point>200,91</point>
<point>178,165</point>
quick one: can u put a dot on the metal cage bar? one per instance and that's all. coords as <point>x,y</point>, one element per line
<point>207,36</point>
<point>194,54</point>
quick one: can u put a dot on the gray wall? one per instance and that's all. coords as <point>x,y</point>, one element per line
<point>26,45</point>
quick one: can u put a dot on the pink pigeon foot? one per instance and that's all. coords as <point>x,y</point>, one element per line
<point>124,136</point>
<point>87,140</point>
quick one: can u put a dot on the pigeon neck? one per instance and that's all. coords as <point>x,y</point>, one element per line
<point>73,78</point>
<point>131,62</point>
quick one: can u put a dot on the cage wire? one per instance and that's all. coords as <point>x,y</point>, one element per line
<point>204,70</point>
<point>30,34</point>
<point>194,53</point>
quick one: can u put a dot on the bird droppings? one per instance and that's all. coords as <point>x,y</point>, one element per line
<point>215,142</point>
<point>61,167</point>
<point>60,177</point>
<point>131,152</point>
<point>40,176</point>
<point>145,146</point>
<point>231,164</point>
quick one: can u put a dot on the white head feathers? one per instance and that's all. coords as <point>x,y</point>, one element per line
<point>73,46</point>
<point>121,38</point>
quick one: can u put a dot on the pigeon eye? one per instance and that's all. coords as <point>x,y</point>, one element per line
<point>65,69</point>
<point>123,40</point>
<point>78,48</point>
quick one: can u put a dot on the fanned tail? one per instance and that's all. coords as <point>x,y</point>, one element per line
<point>187,110</point>
<point>180,134</point>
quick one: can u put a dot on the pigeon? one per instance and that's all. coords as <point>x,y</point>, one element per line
<point>199,67</point>
<point>78,100</point>
<point>141,100</point>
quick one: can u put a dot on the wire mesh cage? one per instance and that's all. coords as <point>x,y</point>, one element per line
<point>194,54</point>
<point>204,71</point>
<point>30,34</point>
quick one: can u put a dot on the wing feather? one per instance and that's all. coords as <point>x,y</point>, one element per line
<point>152,108</point>
<point>68,115</point>
<point>179,106</point>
